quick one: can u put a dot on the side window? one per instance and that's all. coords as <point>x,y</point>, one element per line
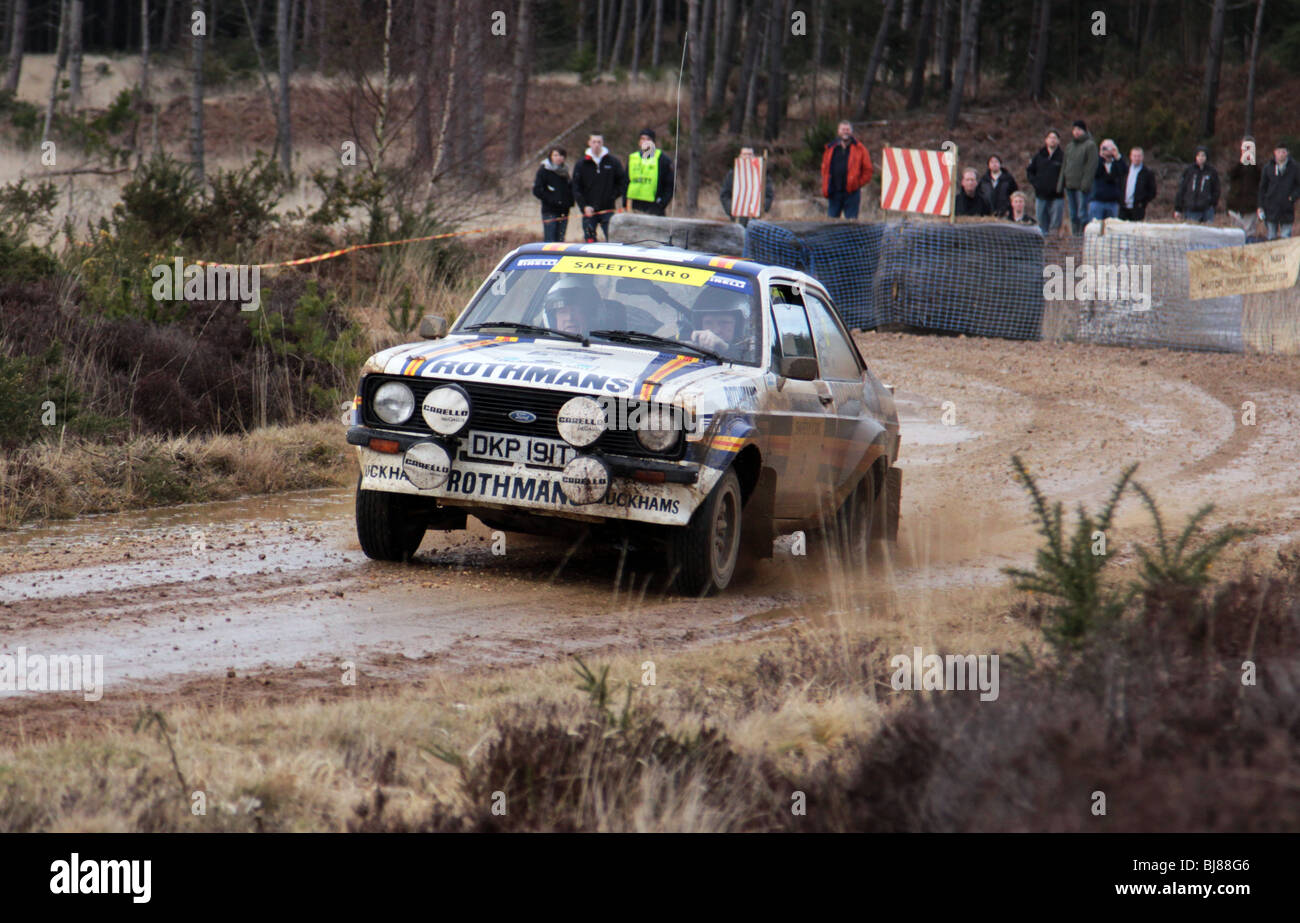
<point>790,324</point>
<point>834,352</point>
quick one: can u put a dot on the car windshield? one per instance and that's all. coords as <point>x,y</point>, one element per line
<point>608,298</point>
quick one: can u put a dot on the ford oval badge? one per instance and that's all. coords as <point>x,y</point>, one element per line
<point>523,416</point>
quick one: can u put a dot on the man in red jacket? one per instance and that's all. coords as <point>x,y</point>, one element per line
<point>846,168</point>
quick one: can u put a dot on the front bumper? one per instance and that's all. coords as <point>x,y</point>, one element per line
<point>642,490</point>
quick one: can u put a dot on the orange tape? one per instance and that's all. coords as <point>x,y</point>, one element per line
<point>321,257</point>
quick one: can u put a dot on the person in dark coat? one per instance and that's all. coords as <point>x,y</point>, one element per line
<point>1198,191</point>
<point>599,181</point>
<point>555,190</point>
<point>1279,188</point>
<point>1139,187</point>
<point>1044,175</point>
<point>968,203</point>
<point>995,188</point>
<point>1107,182</point>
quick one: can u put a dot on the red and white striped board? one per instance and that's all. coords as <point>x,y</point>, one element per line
<point>915,181</point>
<point>747,188</point>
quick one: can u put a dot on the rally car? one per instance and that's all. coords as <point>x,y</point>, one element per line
<point>690,403</point>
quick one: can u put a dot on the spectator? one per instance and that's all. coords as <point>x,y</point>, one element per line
<point>1019,213</point>
<point>1242,199</point>
<point>996,186</point>
<point>1077,173</point>
<point>1108,182</point>
<point>846,168</point>
<point>1198,192</point>
<point>1045,176</point>
<point>649,177</point>
<point>769,192</point>
<point>1278,189</point>
<point>598,183</point>
<point>1139,187</point>
<point>968,201</point>
<point>552,186</point>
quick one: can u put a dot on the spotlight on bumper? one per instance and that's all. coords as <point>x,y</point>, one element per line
<point>585,480</point>
<point>427,465</point>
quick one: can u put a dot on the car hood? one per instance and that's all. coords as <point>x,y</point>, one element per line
<point>557,365</point>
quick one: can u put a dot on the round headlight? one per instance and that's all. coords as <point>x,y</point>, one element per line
<point>393,402</point>
<point>446,410</point>
<point>658,440</point>
<point>585,479</point>
<point>581,421</point>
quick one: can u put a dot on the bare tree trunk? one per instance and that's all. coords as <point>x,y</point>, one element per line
<point>1254,62</point>
<point>877,55</point>
<point>751,91</point>
<point>165,39</point>
<point>1213,60</point>
<point>696,51</point>
<point>975,63</point>
<point>1038,79</point>
<point>283,122</point>
<point>750,46</point>
<point>775,72</point>
<point>616,55</point>
<point>819,51</point>
<point>422,153</point>
<point>970,28</point>
<point>657,39</point>
<point>60,59</point>
<point>582,27</point>
<point>723,53</point>
<point>846,70</point>
<point>920,55</point>
<point>945,46</point>
<point>196,98</point>
<point>451,91</point>
<point>271,103</point>
<point>476,131</point>
<point>600,34</point>
<point>636,39</point>
<point>144,55</point>
<point>17,42</point>
<point>519,84</point>
<point>1149,36</point>
<point>74,54</point>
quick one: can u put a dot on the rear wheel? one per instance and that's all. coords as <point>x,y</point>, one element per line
<point>852,528</point>
<point>704,552</point>
<point>389,526</point>
<point>888,505</point>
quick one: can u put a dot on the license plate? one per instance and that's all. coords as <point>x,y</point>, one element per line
<point>504,447</point>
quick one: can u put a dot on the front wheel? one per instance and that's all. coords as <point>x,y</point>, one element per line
<point>704,552</point>
<point>388,526</point>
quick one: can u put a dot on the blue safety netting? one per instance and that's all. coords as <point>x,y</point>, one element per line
<point>983,278</point>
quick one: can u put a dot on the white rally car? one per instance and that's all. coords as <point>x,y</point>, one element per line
<point>699,404</point>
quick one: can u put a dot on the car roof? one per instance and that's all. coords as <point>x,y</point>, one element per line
<point>663,254</point>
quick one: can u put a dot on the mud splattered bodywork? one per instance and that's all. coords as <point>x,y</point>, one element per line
<point>495,404</point>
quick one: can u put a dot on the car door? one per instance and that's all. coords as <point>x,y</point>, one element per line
<point>853,438</point>
<point>801,409</point>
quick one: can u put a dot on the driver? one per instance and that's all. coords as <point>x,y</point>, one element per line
<point>571,306</point>
<point>721,321</point>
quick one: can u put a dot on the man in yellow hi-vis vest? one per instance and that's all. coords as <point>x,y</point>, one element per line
<point>649,177</point>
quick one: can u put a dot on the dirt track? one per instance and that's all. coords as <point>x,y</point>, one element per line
<point>280,589</point>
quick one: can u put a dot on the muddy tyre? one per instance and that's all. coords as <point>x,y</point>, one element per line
<point>387,525</point>
<point>849,541</point>
<point>705,552</point>
<point>888,504</point>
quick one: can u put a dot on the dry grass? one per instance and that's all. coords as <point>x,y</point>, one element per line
<point>59,480</point>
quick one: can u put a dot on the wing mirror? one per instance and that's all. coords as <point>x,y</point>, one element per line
<point>433,327</point>
<point>800,368</point>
